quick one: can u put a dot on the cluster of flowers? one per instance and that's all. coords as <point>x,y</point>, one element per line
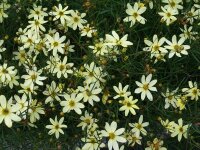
<point>4,6</point>
<point>45,69</point>
<point>172,7</point>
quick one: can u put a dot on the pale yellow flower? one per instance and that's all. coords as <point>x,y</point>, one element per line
<point>8,111</point>
<point>56,127</point>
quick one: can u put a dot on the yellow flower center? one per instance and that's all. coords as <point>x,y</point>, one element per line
<point>33,76</point>
<point>111,135</point>
<point>53,94</point>
<point>121,93</point>
<point>172,4</point>
<point>76,19</point>
<point>62,67</point>
<point>91,74</point>
<point>88,93</point>
<point>177,48</point>
<point>146,87</point>
<point>22,55</point>
<point>170,97</point>
<point>28,89</point>
<point>57,126</point>
<point>194,91</point>
<point>139,126</point>
<point>37,23</point>
<point>156,146</point>
<point>61,13</point>
<point>135,14</point>
<point>71,103</point>
<point>30,41</point>
<point>22,105</point>
<point>133,138</point>
<point>55,44</point>
<point>128,104</point>
<point>190,14</point>
<point>168,14</point>
<point>87,29</point>
<point>37,12</point>
<point>181,129</point>
<point>87,120</point>
<point>4,71</point>
<point>92,140</point>
<point>5,112</point>
<point>156,47</point>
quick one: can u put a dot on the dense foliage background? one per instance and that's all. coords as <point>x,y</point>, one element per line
<point>126,67</point>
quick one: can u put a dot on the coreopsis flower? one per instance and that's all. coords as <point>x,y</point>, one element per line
<point>56,127</point>
<point>72,102</point>
<point>157,144</point>
<point>159,57</point>
<point>36,25</point>
<point>2,49</point>
<point>21,56</point>
<point>170,98</point>
<point>87,120</point>
<point>52,91</point>
<point>8,111</point>
<point>93,74</point>
<point>176,47</point>
<point>68,47</point>
<point>93,130</point>
<point>55,43</point>
<point>3,7</point>
<point>187,33</point>
<point>61,27</point>
<point>40,47</point>
<point>35,110</point>
<point>114,39</point>
<point>129,105</point>
<point>51,63</point>
<point>90,93</point>
<point>6,72</point>
<point>181,101</point>
<point>62,68</point>
<point>77,20</point>
<point>13,81</point>
<point>173,4</point>
<point>37,12</point>
<point>180,130</point>
<point>168,15</point>
<point>28,39</point>
<point>133,139</point>
<point>121,92</point>
<point>61,13</point>
<point>168,125</point>
<point>191,15</point>
<point>99,48</point>
<point>5,4</point>
<point>22,103</point>
<point>114,135</point>
<point>135,13</point>
<point>28,89</point>
<point>87,30</point>
<point>139,126</point>
<point>193,91</point>
<point>33,77</point>
<point>155,47</point>
<point>145,86</point>
<point>93,142</point>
